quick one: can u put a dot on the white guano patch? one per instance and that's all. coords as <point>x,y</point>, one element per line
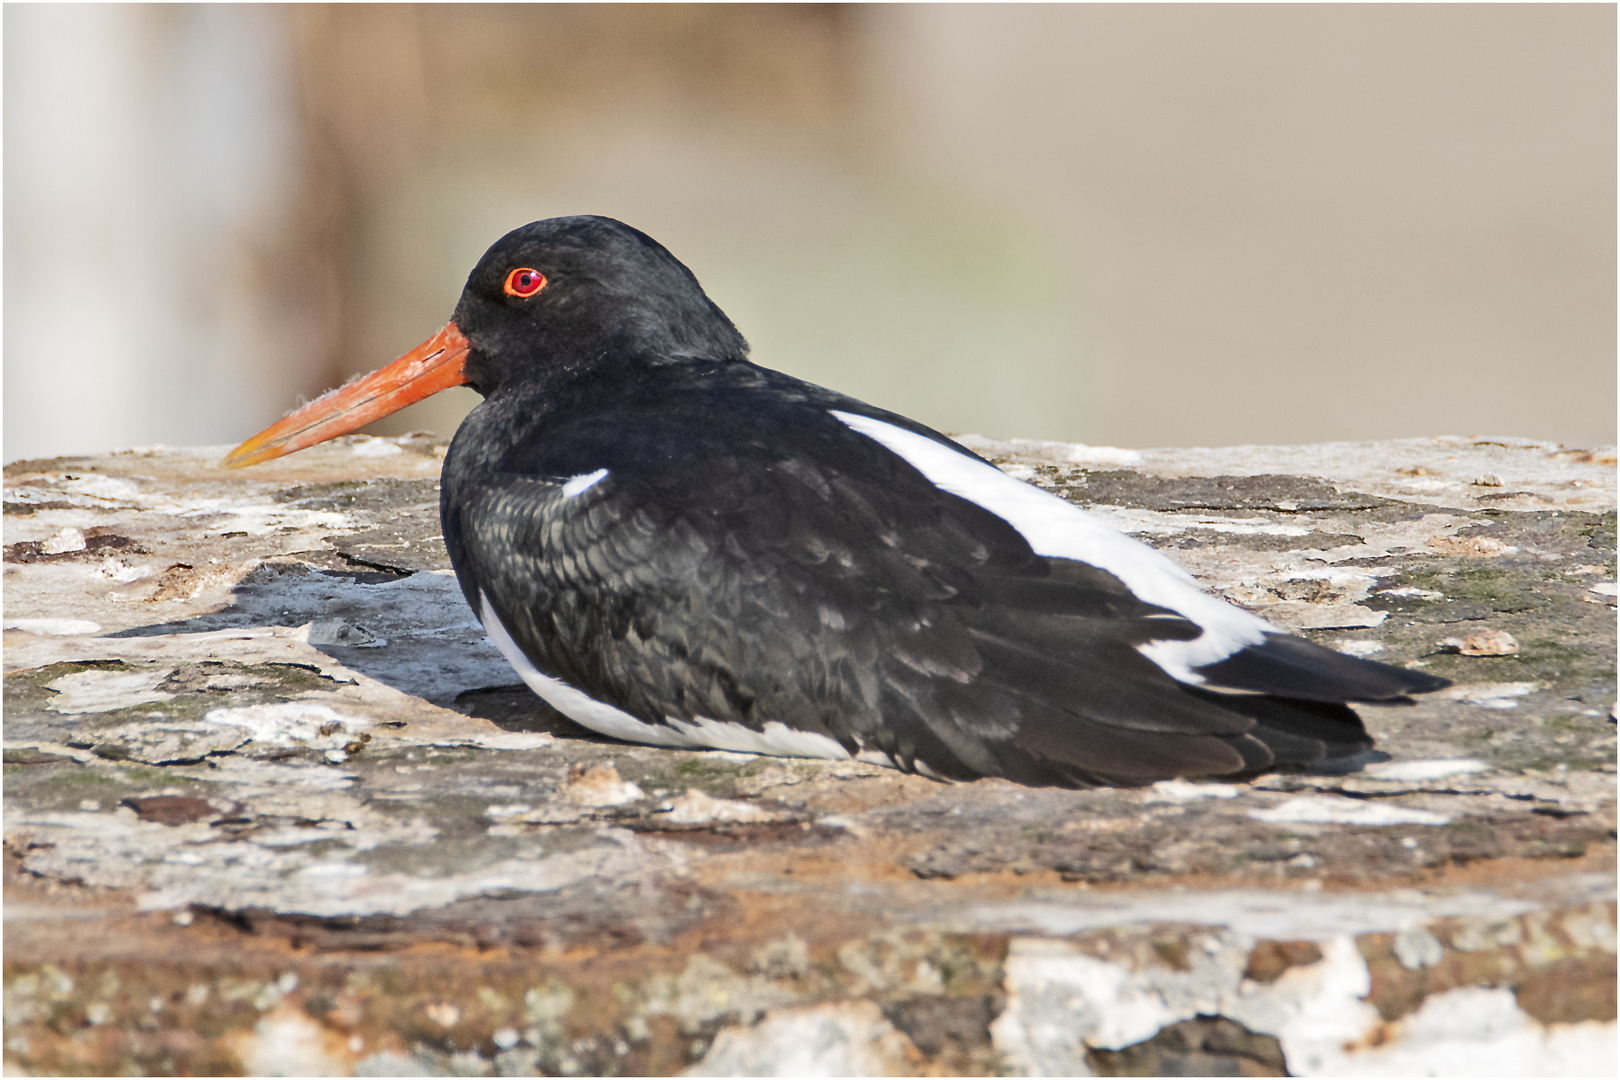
<point>79,490</point>
<point>775,738</point>
<point>1334,810</point>
<point>1491,695</point>
<point>69,539</point>
<point>292,723</point>
<point>1426,769</point>
<point>1187,791</point>
<point>54,627</point>
<point>369,446</point>
<point>104,691</point>
<point>1059,529</point>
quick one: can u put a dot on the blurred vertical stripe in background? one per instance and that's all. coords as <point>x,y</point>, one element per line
<point>1130,225</point>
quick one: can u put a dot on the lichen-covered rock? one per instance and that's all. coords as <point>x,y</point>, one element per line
<point>274,805</point>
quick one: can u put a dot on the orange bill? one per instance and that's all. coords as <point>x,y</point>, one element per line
<point>434,365</point>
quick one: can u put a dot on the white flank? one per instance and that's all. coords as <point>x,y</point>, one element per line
<point>777,738</point>
<point>1059,529</point>
<point>577,705</point>
<point>580,484</point>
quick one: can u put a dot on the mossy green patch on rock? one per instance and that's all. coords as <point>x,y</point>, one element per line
<point>1202,1046</point>
<point>1259,541</point>
<point>1599,531</point>
<point>67,785</point>
<point>712,776</point>
<point>1276,493</point>
<point>20,683</point>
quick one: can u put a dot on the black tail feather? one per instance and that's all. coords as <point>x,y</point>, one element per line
<point>1292,667</point>
<point>1297,732</point>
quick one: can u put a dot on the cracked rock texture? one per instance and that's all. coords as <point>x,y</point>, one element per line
<point>273,805</point>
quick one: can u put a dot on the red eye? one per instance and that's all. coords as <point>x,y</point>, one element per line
<point>524,282</point>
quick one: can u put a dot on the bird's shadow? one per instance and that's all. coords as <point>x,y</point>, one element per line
<point>410,631</point>
<point>515,707</point>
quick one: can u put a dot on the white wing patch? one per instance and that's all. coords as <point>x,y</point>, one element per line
<point>579,484</point>
<point>1059,529</point>
<point>776,738</point>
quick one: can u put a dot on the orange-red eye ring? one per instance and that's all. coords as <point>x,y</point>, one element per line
<point>524,282</point>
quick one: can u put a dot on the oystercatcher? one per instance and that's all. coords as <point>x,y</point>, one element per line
<point>674,545</point>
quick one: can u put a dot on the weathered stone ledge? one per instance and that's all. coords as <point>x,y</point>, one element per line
<point>273,805</point>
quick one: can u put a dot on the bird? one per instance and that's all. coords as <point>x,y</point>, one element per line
<point>674,545</point>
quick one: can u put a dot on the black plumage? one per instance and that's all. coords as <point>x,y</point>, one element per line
<point>749,558</point>
<point>675,537</point>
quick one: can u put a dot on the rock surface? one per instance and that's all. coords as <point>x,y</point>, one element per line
<point>274,805</point>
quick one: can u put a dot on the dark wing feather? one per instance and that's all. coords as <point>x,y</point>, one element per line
<point>814,578</point>
<point>1292,667</point>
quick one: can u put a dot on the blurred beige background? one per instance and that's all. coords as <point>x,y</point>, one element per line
<point>1129,225</point>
